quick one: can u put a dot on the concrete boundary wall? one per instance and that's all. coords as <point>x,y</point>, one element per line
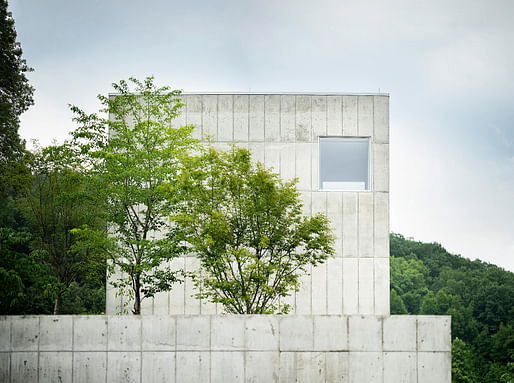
<point>205,348</point>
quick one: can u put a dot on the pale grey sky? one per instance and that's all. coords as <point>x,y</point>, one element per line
<point>448,66</point>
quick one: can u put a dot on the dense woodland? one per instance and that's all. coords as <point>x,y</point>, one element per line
<point>426,279</point>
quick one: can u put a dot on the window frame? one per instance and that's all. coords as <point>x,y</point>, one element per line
<point>370,178</point>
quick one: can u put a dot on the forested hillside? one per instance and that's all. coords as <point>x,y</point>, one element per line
<point>426,279</point>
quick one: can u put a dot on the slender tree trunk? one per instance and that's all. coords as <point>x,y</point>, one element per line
<point>137,300</point>
<point>57,304</point>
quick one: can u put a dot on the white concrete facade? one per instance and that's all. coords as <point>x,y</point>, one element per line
<point>225,349</point>
<point>282,131</point>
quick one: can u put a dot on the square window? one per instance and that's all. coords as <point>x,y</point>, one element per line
<point>344,163</point>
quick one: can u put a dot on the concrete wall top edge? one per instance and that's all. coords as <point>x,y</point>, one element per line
<point>280,93</point>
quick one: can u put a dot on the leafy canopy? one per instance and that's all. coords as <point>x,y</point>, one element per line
<point>130,155</point>
<point>245,226</point>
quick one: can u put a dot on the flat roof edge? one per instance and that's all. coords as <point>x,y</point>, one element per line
<point>279,93</point>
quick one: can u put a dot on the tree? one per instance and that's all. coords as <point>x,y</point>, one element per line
<point>15,91</point>
<point>245,226</point>
<point>57,200</point>
<point>130,156</point>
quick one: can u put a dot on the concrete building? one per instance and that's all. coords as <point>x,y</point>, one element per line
<point>340,329</point>
<point>291,133</point>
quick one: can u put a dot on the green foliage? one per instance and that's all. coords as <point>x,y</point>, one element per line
<point>478,296</point>
<point>397,305</point>
<point>56,200</point>
<point>245,226</point>
<point>130,156</point>
<point>15,94</point>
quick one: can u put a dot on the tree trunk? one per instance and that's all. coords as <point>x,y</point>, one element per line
<point>57,304</point>
<point>137,300</point>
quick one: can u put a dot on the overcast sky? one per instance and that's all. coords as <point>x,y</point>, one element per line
<point>447,65</point>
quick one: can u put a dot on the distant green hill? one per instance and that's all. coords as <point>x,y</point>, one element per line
<point>426,279</point>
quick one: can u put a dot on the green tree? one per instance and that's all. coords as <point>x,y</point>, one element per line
<point>56,201</point>
<point>130,155</point>
<point>15,93</point>
<point>397,305</point>
<point>245,226</point>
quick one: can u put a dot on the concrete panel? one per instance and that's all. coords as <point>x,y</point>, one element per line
<point>5,333</point>
<point>400,367</point>
<point>209,308</point>
<point>310,367</point>
<point>90,333</point>
<point>366,286</point>
<point>350,285</point>
<point>89,367</point>
<point>147,306</point>
<point>350,225</point>
<point>350,116</point>
<point>334,286</point>
<point>334,115</point>
<point>256,132</point>
<point>262,367</point>
<point>5,365</point>
<point>381,225</point>
<point>303,118</point>
<point>160,303</point>
<point>194,113</point>
<point>330,333</point>
<point>381,119</point>
<point>124,367</point>
<point>158,333</point>
<point>287,367</point>
<point>434,333</point>
<point>177,294</point>
<point>289,300</point>
<point>296,333</point>
<point>192,304</point>
<point>112,302</point>
<point>335,215</point>
<point>304,294</point>
<point>319,116</point>
<point>180,120</point>
<point>319,202</point>
<point>315,165</point>
<point>227,332</point>
<point>303,165</point>
<point>336,366</point>
<point>287,162</point>
<point>241,117</point>
<point>257,149</point>
<point>25,333</point>
<point>192,367</point>
<point>227,367</point>
<point>158,367</point>
<point>319,289</point>
<point>272,156</point>
<point>124,333</point>
<point>24,367</point>
<point>193,333</point>
<point>365,116</point>
<point>365,225</point>
<point>262,333</point>
<point>400,333</point>
<point>55,367</point>
<point>287,118</point>
<point>365,333</point>
<point>55,333</point>
<point>434,367</point>
<point>382,287</point>
<point>380,167</point>
<point>366,367</point>
<point>225,117</point>
<point>306,198</point>
<point>272,118</point>
<point>210,117</point>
